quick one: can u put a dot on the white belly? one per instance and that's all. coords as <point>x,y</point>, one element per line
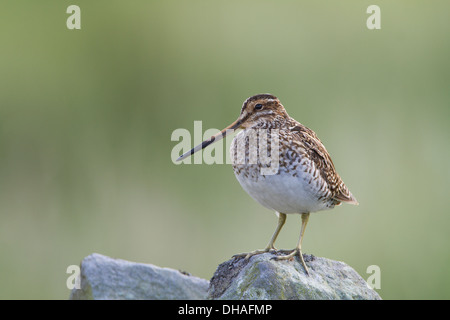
<point>283,193</point>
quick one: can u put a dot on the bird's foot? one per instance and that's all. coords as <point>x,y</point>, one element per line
<point>291,256</point>
<point>248,255</point>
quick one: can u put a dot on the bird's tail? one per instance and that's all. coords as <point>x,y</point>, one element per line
<point>346,196</point>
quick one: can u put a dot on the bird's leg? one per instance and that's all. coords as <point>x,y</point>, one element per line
<point>298,249</point>
<point>281,221</point>
<point>270,245</point>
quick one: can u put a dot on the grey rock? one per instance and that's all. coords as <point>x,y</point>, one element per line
<point>261,277</point>
<point>106,278</point>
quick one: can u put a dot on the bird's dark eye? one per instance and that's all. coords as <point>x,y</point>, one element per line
<point>258,106</point>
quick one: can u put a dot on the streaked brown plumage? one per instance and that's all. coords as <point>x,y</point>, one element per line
<point>305,179</point>
<point>315,150</point>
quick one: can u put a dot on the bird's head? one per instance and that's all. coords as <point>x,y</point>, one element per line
<point>256,109</point>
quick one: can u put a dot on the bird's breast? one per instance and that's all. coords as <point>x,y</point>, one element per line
<point>291,184</point>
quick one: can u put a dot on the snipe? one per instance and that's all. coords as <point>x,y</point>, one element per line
<point>305,180</point>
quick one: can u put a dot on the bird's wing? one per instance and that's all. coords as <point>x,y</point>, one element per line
<point>317,153</point>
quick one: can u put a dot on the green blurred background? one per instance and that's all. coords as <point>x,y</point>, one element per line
<point>86,118</point>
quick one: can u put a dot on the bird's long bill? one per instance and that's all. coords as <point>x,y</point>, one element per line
<point>217,137</point>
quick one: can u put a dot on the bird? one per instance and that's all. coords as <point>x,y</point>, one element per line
<point>281,164</point>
